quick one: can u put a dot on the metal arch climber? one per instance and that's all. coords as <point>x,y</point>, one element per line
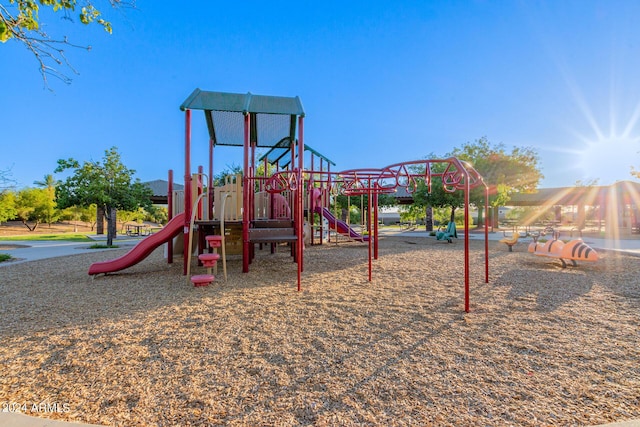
<point>456,175</point>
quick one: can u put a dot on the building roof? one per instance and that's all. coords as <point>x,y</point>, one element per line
<point>159,189</point>
<point>159,186</point>
<point>626,192</point>
<point>623,191</point>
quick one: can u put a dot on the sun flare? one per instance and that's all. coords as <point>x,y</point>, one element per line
<point>607,157</point>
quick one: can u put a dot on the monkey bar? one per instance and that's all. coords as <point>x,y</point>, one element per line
<point>455,174</point>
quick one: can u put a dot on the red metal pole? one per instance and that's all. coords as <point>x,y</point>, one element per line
<point>300,192</point>
<point>245,196</point>
<point>368,222</point>
<point>252,174</point>
<point>311,200</point>
<point>375,226</point>
<point>466,239</point>
<point>210,181</point>
<point>187,188</point>
<point>486,234</point>
<point>170,214</point>
<point>200,186</point>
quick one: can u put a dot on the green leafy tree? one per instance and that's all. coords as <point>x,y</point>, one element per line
<point>130,216</point>
<point>20,22</point>
<point>504,172</point>
<point>49,185</point>
<point>32,205</point>
<point>7,206</point>
<point>107,184</point>
<point>77,214</point>
<point>157,214</point>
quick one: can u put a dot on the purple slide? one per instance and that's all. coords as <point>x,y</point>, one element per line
<point>340,226</point>
<point>142,250</point>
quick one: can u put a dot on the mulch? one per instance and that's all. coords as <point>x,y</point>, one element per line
<point>542,345</point>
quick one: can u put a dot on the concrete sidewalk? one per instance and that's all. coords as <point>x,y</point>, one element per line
<point>33,250</point>
<point>14,419</point>
<point>629,246</point>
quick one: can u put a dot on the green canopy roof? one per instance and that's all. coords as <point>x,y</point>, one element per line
<point>273,118</point>
<point>242,103</point>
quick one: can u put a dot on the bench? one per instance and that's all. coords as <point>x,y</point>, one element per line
<point>138,230</point>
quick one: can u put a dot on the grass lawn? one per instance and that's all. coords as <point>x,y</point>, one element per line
<point>67,237</point>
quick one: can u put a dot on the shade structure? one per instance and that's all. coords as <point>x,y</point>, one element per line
<point>273,118</point>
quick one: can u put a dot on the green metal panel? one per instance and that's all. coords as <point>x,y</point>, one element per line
<point>223,114</point>
<point>243,103</point>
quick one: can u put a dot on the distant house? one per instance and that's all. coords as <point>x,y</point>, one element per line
<point>389,215</point>
<point>159,188</point>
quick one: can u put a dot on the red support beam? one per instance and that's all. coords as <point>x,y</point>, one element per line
<point>210,181</point>
<point>170,214</point>
<point>368,223</point>
<point>245,195</point>
<point>187,187</point>
<point>300,191</point>
<point>467,189</point>
<point>486,234</point>
<point>374,235</point>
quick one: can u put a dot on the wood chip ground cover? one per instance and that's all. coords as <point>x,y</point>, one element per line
<point>542,345</point>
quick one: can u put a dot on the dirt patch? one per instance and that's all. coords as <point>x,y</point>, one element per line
<point>8,246</point>
<point>17,228</point>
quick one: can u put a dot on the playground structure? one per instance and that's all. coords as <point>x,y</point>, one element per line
<point>272,208</point>
<point>574,250</point>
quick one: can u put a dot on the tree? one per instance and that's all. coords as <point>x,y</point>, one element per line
<point>79,213</point>
<point>7,197</point>
<point>32,204</point>
<point>49,185</point>
<point>20,21</point>
<point>158,214</point>
<point>130,216</point>
<point>108,184</point>
<point>503,172</point>
<point>7,205</point>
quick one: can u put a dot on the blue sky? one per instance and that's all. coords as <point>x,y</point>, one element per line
<point>381,82</point>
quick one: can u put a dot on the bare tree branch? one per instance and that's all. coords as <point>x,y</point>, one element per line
<point>19,21</point>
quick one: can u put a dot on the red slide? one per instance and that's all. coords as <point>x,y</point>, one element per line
<point>142,249</point>
<point>340,226</point>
